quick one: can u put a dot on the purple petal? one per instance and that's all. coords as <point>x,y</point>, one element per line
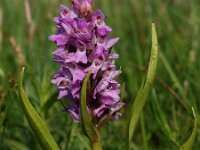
<point>100,110</point>
<point>109,97</point>
<point>81,57</point>
<point>56,19</point>
<point>98,53</point>
<point>74,112</point>
<point>97,17</point>
<point>108,65</point>
<point>111,74</point>
<point>75,90</point>
<point>113,55</point>
<point>78,74</point>
<point>64,11</point>
<point>77,57</point>
<point>96,65</point>
<point>116,116</point>
<point>63,83</point>
<point>85,6</point>
<point>60,39</point>
<point>76,4</point>
<point>60,51</point>
<point>80,45</point>
<point>62,93</point>
<point>116,107</point>
<point>102,86</point>
<point>67,27</point>
<point>111,42</point>
<point>103,32</point>
<point>89,1</point>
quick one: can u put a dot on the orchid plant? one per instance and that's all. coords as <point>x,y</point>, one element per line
<point>88,77</point>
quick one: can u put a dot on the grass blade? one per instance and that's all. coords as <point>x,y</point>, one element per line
<point>175,80</point>
<point>38,126</point>
<point>145,88</point>
<point>15,145</point>
<point>188,144</point>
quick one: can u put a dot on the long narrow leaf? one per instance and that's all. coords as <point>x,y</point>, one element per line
<point>188,144</point>
<point>86,122</point>
<point>145,88</point>
<point>38,126</point>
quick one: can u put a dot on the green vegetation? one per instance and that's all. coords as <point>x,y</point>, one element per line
<point>166,121</point>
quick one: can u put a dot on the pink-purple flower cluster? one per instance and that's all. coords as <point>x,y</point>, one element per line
<point>84,44</point>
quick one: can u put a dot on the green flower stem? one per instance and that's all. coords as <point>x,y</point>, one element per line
<point>96,145</point>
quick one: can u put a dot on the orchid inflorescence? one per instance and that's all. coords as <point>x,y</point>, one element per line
<point>84,44</point>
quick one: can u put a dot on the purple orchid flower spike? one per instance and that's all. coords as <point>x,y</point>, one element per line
<point>84,43</point>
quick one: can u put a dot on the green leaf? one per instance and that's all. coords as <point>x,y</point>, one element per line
<point>188,144</point>
<point>2,74</point>
<point>38,126</point>
<point>86,123</point>
<point>175,80</point>
<point>15,145</point>
<point>71,136</point>
<point>141,97</point>
<point>49,103</point>
<point>8,103</point>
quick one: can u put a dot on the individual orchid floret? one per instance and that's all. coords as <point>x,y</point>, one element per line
<point>84,44</point>
<point>97,17</point>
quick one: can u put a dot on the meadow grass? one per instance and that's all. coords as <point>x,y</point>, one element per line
<point>166,121</point>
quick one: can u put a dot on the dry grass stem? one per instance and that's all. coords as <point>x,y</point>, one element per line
<point>1,25</point>
<point>18,52</point>
<point>29,21</point>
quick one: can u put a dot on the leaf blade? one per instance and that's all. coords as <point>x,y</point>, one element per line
<point>141,97</point>
<point>38,126</point>
<point>86,122</point>
<point>188,144</point>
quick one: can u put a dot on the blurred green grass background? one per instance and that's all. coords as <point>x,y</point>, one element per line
<point>167,117</point>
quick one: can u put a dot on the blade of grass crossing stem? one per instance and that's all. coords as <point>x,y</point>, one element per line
<point>188,144</point>
<point>175,80</point>
<point>160,115</point>
<point>145,88</point>
<point>86,123</point>
<point>38,126</point>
